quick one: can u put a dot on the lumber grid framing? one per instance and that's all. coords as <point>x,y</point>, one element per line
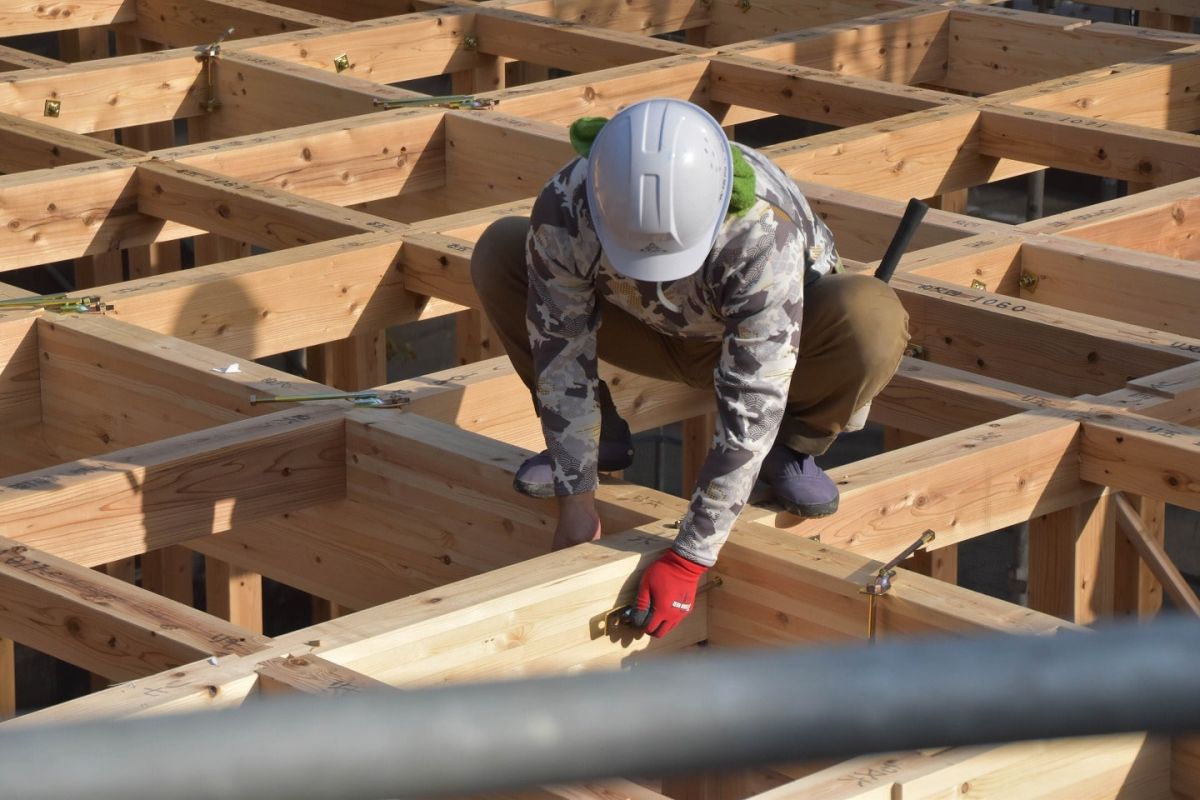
<point>1052,377</point>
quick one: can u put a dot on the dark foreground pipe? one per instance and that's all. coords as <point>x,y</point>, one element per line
<point>702,712</point>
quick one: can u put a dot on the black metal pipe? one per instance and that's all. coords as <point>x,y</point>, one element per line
<point>706,712</point>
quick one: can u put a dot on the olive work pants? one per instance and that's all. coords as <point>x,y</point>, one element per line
<point>853,335</point>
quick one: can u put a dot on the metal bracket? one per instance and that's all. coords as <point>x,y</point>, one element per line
<point>1029,281</point>
<point>369,399</point>
<point>207,54</point>
<point>470,43</point>
<point>978,284</point>
<point>342,63</point>
<point>454,101</point>
<point>619,618</point>
<point>883,580</point>
<point>60,303</point>
<point>52,108</point>
<point>916,351</point>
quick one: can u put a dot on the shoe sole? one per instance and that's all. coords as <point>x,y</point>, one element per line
<point>813,511</point>
<point>541,491</point>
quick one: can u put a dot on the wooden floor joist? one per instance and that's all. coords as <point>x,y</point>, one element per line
<point>224,178</point>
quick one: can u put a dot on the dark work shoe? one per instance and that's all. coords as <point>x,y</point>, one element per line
<point>799,484</point>
<point>535,477</point>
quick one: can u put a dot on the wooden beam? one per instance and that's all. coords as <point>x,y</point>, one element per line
<point>439,266</point>
<point>13,58</point>
<point>922,154</point>
<point>1155,555</point>
<point>275,302</point>
<point>814,94</point>
<point>168,572</point>
<point>1028,343</point>
<point>311,674</point>
<point>244,211</point>
<point>233,593</point>
<point>530,618</point>
<point>1152,91</point>
<point>1100,767</point>
<point>1094,147</point>
<point>1114,282</point>
<point>995,49</point>
<point>992,259</point>
<point>905,46</point>
<point>648,17</point>
<point>767,18</point>
<point>961,485</point>
<point>1138,591</point>
<point>20,383</point>
<point>177,489</point>
<point>95,370</point>
<point>28,145</point>
<point>259,93</point>
<point>1155,459</point>
<point>533,152</point>
<point>71,211</point>
<point>415,46</point>
<point>152,87</point>
<point>344,162</point>
<point>175,23</point>
<point>863,224</point>
<point>1071,561</point>
<point>21,19</point>
<point>1153,221</point>
<point>779,589</point>
<point>564,100</point>
<point>570,47</point>
<point>104,624</point>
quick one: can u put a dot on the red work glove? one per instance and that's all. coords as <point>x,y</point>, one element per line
<point>667,593</point>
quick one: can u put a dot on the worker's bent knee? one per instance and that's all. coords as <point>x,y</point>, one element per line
<point>865,320</point>
<point>499,255</point>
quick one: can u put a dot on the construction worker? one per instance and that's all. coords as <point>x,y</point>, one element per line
<point>666,250</point>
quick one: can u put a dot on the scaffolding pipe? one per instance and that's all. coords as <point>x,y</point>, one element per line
<point>690,713</point>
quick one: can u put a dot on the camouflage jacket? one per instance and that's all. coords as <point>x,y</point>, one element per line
<point>748,294</point>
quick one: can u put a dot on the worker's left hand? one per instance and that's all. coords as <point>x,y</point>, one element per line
<point>667,593</point>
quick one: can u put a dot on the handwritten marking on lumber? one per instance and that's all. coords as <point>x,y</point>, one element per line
<point>870,776</point>
<point>984,300</point>
<point>88,592</point>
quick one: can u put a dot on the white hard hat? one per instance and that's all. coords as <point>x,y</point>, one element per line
<point>659,178</point>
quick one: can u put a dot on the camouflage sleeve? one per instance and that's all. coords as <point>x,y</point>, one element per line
<point>562,318</point>
<point>762,301</point>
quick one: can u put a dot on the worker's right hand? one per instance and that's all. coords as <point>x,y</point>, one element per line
<point>578,521</point>
<point>667,593</point>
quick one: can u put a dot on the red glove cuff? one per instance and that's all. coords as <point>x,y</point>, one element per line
<point>667,593</point>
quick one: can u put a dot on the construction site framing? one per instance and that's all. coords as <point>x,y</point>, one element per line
<point>1052,375</point>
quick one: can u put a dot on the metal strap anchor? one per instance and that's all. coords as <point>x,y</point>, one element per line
<point>454,101</point>
<point>59,302</point>
<point>207,54</point>
<point>366,399</point>
<point>883,581</point>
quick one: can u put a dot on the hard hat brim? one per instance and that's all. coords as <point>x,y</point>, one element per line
<point>658,267</point>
